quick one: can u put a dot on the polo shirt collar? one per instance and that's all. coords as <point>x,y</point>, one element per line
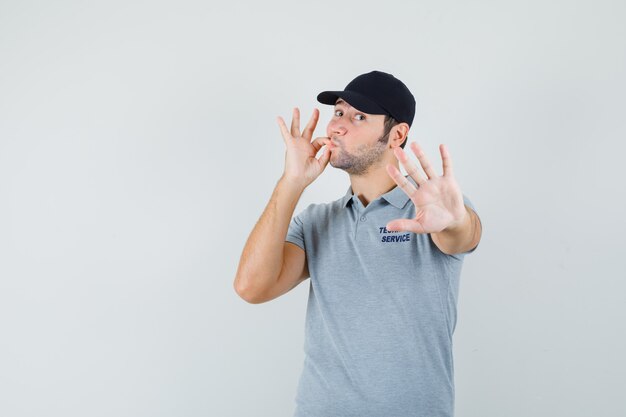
<point>396,196</point>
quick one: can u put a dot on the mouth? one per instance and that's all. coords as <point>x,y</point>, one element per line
<point>332,144</point>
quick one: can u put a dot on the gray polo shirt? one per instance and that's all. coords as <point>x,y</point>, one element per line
<point>380,315</point>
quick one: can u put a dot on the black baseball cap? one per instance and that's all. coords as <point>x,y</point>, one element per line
<point>376,92</point>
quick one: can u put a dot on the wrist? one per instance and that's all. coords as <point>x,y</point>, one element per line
<point>460,223</point>
<point>292,183</point>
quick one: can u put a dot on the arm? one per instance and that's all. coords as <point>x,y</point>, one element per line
<point>263,255</point>
<point>269,266</point>
<point>461,238</point>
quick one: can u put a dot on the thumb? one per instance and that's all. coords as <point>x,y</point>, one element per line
<point>403,225</point>
<point>323,160</point>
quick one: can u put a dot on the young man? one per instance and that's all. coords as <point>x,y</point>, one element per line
<point>384,260</point>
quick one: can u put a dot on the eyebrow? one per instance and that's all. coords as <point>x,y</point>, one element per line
<point>340,102</point>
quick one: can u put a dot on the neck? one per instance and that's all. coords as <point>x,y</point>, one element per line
<point>374,183</point>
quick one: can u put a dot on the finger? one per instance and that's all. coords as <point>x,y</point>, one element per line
<point>421,156</point>
<point>323,160</point>
<point>409,166</point>
<point>401,180</point>
<point>446,160</point>
<point>319,142</point>
<point>405,225</point>
<point>307,133</point>
<point>295,123</point>
<point>283,129</point>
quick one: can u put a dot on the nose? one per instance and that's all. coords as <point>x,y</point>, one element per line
<point>335,128</point>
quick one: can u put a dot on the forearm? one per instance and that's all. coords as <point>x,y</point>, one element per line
<point>460,238</point>
<point>262,257</point>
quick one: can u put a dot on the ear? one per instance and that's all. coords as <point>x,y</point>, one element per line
<point>398,134</point>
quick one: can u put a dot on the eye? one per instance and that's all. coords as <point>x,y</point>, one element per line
<point>338,111</point>
<point>361,117</point>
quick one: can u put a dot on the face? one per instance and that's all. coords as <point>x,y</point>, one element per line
<point>358,140</point>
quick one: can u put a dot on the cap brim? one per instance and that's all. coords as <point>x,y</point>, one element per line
<point>356,100</point>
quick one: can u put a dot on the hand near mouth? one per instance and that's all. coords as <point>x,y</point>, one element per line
<point>301,166</point>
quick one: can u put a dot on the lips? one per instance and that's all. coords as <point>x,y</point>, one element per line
<point>332,144</point>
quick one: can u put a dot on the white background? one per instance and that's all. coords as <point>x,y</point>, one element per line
<point>139,146</point>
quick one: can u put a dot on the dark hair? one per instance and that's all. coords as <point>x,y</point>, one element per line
<point>390,122</point>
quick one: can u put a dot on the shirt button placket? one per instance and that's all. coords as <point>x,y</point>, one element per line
<point>360,218</point>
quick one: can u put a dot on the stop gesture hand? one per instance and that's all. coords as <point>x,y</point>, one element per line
<point>438,199</point>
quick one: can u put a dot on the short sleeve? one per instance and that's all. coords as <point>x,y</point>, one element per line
<point>295,234</point>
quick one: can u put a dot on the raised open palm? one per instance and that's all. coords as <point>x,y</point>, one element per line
<point>438,199</point>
